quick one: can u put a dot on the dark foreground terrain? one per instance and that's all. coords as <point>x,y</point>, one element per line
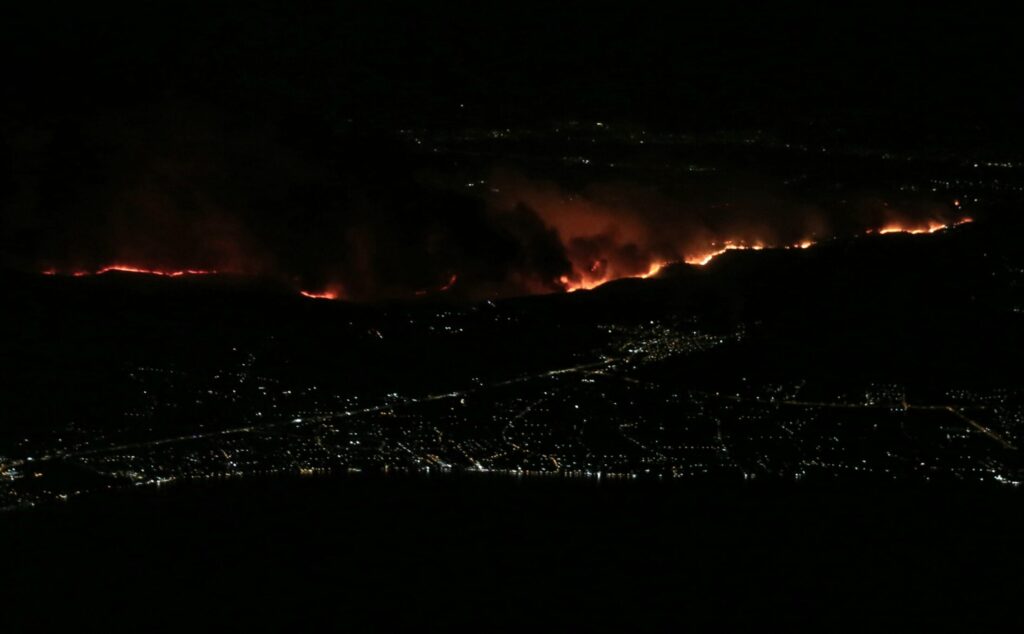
<point>489,553</point>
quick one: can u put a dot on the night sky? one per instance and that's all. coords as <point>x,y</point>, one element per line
<point>386,61</point>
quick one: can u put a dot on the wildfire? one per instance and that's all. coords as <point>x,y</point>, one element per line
<point>589,274</point>
<point>698,259</point>
<point>328,294</point>
<point>653,270</point>
<point>930,227</point>
<point>571,285</point>
<point>450,283</point>
<point>444,287</point>
<point>702,259</point>
<point>580,285</point>
<point>133,269</point>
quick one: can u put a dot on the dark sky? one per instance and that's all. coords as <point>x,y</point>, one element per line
<point>719,63</point>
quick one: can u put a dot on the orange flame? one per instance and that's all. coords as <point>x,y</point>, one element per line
<point>716,249</point>
<point>653,270</point>
<point>930,227</point>
<point>122,268</point>
<point>328,294</point>
<point>571,285</point>
<point>702,259</point>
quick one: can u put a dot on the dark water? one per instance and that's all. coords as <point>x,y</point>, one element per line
<point>487,553</point>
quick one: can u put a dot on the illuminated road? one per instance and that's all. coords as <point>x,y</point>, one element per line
<point>985,430</point>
